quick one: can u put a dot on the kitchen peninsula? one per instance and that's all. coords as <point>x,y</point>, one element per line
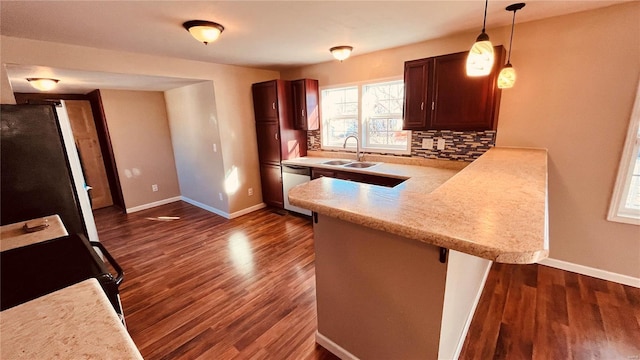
<point>399,270</point>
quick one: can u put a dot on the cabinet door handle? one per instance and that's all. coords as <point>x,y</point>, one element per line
<point>302,112</point>
<point>273,105</point>
<point>422,106</point>
<point>276,136</point>
<point>433,105</point>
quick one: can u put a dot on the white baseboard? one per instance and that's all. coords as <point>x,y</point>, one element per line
<point>593,272</point>
<point>224,214</point>
<point>153,204</point>
<point>206,207</point>
<point>247,210</point>
<point>334,348</point>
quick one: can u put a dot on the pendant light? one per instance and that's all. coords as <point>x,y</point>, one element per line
<point>341,52</point>
<point>480,58</point>
<point>43,84</point>
<point>204,31</point>
<point>507,77</point>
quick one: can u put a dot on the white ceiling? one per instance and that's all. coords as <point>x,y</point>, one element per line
<point>264,34</point>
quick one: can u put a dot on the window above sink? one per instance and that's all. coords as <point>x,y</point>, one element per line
<point>372,111</point>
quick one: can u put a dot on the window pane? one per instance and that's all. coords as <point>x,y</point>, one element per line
<point>382,111</point>
<point>633,197</point>
<point>339,114</point>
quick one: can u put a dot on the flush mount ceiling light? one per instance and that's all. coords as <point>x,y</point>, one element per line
<point>43,84</point>
<point>341,52</point>
<point>507,77</point>
<point>204,31</point>
<point>480,59</point>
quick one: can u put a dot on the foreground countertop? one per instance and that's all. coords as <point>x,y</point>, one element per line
<point>77,322</point>
<point>495,208</point>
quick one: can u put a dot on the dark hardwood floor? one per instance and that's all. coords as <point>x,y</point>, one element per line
<point>538,312</point>
<point>211,288</point>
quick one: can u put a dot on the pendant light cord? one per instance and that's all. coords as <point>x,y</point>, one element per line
<point>484,21</point>
<point>511,38</point>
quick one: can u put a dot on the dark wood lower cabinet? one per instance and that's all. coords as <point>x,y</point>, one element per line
<point>357,177</point>
<point>272,185</point>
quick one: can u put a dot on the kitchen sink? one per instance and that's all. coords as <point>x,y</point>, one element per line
<point>360,165</point>
<point>337,162</point>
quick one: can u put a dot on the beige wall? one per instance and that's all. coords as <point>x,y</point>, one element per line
<point>232,93</point>
<point>194,133</point>
<point>139,132</point>
<point>577,81</point>
<point>576,84</point>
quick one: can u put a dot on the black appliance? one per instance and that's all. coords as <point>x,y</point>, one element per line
<point>35,175</point>
<point>38,269</point>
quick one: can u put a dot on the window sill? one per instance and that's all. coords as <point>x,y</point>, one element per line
<point>367,150</point>
<point>623,219</point>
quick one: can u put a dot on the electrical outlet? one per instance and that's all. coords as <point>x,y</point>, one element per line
<point>250,191</point>
<point>220,195</point>
<point>154,187</point>
<point>313,139</point>
<point>441,144</point>
<point>427,144</point>
<point>215,148</point>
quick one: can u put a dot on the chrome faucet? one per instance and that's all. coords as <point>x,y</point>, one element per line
<point>344,146</point>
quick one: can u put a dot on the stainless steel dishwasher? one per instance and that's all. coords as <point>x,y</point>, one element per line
<point>293,175</point>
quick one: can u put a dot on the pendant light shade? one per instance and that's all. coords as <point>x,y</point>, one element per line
<point>204,31</point>
<point>507,77</point>
<point>341,52</point>
<point>480,59</point>
<point>43,84</point>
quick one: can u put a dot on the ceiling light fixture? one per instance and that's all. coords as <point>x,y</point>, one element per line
<point>341,52</point>
<point>204,31</point>
<point>43,84</point>
<point>480,58</point>
<point>507,77</point>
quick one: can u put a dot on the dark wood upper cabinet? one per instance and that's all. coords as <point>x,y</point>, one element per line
<point>451,100</point>
<point>265,100</point>
<point>417,92</point>
<point>304,98</point>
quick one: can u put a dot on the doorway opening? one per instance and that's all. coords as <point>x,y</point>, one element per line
<point>91,136</point>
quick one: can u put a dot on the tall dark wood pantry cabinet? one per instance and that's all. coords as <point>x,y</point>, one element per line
<point>277,138</point>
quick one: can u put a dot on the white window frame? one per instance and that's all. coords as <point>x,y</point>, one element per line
<point>618,212</point>
<point>361,122</point>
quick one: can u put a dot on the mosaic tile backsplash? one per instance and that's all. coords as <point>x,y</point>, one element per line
<point>459,145</point>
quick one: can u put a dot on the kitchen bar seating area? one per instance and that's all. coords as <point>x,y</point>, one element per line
<point>219,304</point>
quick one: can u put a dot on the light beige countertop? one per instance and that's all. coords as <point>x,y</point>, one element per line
<point>77,322</point>
<point>13,235</point>
<point>494,208</point>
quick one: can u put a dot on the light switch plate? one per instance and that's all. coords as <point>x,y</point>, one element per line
<point>427,144</point>
<point>441,144</point>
